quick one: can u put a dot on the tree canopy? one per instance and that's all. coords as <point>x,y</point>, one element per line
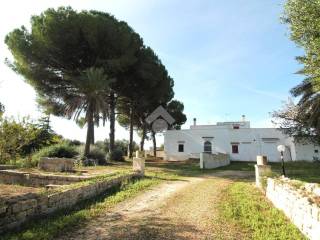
<point>303,19</point>
<point>63,48</point>
<point>87,65</point>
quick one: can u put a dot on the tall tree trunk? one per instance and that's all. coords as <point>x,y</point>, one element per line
<point>112,105</point>
<point>92,134</point>
<point>131,134</point>
<point>154,140</point>
<point>143,137</point>
<point>89,130</point>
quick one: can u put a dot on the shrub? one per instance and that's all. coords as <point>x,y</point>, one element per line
<point>116,155</point>
<point>20,138</point>
<point>62,150</point>
<point>98,154</point>
<point>75,142</point>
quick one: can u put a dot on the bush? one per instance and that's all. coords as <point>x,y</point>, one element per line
<point>75,142</point>
<point>116,155</point>
<point>62,150</point>
<point>20,138</point>
<point>98,154</point>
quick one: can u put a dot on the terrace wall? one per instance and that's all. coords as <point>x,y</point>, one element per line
<point>17,210</point>
<point>37,180</point>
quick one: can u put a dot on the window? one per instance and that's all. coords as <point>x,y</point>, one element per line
<point>207,147</point>
<point>316,150</point>
<point>235,148</point>
<point>180,148</point>
<point>236,126</point>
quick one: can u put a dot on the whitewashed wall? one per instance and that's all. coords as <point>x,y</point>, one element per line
<point>249,139</point>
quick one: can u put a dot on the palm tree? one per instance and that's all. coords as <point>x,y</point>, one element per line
<point>309,103</point>
<point>1,109</point>
<point>91,90</point>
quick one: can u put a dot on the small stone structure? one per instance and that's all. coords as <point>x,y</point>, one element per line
<point>262,160</point>
<point>138,162</point>
<point>300,205</point>
<point>17,210</point>
<point>261,170</point>
<point>56,164</point>
<point>37,180</point>
<point>209,161</point>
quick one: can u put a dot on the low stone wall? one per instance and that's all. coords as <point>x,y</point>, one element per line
<point>37,180</point>
<point>17,210</point>
<point>301,204</point>
<point>209,161</point>
<point>3,167</point>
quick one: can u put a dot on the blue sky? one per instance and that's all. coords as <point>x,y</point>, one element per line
<point>227,58</point>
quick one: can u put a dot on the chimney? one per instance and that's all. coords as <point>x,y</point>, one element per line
<point>194,122</point>
<point>243,118</point>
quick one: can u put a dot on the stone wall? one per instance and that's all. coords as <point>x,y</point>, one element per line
<point>209,161</point>
<point>3,167</point>
<point>37,180</point>
<point>300,203</point>
<point>17,210</point>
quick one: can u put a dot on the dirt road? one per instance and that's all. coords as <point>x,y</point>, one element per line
<point>184,209</point>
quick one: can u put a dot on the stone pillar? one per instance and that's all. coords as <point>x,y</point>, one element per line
<point>138,165</point>
<point>202,160</point>
<point>261,171</point>
<point>139,154</point>
<point>262,160</point>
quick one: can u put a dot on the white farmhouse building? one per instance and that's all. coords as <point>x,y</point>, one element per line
<point>237,139</point>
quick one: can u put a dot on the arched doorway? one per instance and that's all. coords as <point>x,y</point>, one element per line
<point>207,147</point>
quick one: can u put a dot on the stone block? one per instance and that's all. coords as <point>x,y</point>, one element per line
<point>261,171</point>
<point>56,164</point>
<point>21,215</point>
<point>262,160</point>
<point>3,210</point>
<point>16,207</point>
<point>138,165</point>
<point>140,154</point>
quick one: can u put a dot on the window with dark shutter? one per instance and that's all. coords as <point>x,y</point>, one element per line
<point>207,147</point>
<point>180,148</point>
<point>235,148</point>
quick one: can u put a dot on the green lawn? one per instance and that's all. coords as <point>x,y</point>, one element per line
<point>300,170</point>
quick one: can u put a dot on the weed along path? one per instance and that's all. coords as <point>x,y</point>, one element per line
<point>181,209</point>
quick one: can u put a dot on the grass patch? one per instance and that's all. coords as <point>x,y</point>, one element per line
<point>242,204</point>
<point>49,228</point>
<point>300,170</point>
<point>239,166</point>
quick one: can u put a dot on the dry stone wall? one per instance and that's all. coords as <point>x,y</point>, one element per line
<point>37,180</point>
<point>17,210</point>
<point>300,203</point>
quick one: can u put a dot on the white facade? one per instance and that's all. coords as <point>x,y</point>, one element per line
<point>237,139</point>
